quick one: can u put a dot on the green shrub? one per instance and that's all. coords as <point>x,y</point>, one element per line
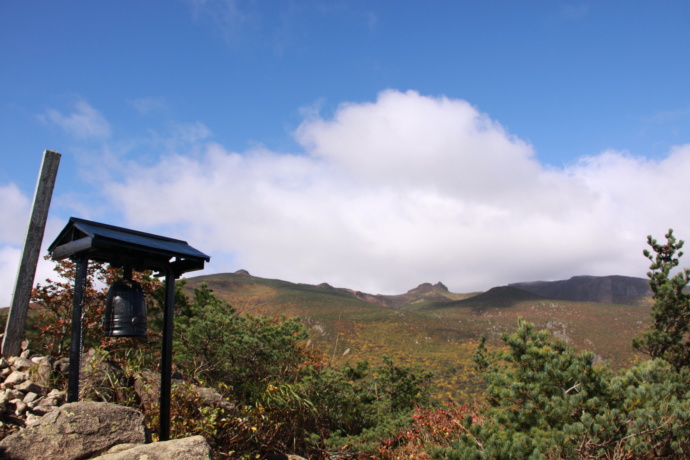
<point>359,407</point>
<point>284,392</point>
<point>215,344</point>
<point>544,401</point>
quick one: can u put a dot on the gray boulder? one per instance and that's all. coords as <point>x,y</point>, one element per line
<point>15,378</point>
<point>76,431</point>
<point>44,370</point>
<point>23,364</point>
<point>192,448</point>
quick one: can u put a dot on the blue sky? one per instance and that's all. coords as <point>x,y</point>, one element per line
<point>369,144</point>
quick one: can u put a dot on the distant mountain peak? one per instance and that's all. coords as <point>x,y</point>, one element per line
<point>242,273</point>
<point>441,286</point>
<point>428,287</point>
<point>422,288</point>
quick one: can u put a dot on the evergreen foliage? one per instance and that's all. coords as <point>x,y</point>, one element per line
<point>544,401</point>
<point>361,406</point>
<point>669,337</point>
<point>216,344</point>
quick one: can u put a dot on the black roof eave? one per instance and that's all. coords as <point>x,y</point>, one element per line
<point>119,246</point>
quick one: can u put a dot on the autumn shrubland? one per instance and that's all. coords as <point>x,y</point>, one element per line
<point>329,373</point>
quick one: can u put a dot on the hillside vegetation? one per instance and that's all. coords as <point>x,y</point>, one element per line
<point>335,374</point>
<point>431,326</point>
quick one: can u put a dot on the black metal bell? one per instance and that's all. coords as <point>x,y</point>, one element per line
<point>125,309</point>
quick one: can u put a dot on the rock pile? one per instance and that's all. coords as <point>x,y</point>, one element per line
<point>36,421</point>
<point>96,430</point>
<point>25,390</point>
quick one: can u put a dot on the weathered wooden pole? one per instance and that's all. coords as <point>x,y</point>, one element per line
<point>16,320</point>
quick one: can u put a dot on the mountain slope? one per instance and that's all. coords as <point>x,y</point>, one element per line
<point>498,297</point>
<point>608,289</point>
<point>429,325</point>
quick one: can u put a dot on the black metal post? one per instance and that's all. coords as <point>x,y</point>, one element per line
<point>77,321</point>
<point>166,355</point>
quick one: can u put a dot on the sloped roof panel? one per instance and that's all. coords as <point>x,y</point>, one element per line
<point>119,245</point>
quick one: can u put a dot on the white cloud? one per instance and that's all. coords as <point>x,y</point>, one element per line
<point>9,263</point>
<point>10,257</point>
<point>84,122</point>
<point>14,209</point>
<point>408,140</point>
<point>409,189</point>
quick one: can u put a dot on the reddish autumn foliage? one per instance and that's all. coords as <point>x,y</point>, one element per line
<point>431,428</point>
<point>52,304</point>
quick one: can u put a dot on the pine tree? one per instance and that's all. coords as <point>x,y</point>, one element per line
<point>537,390</point>
<point>669,335</point>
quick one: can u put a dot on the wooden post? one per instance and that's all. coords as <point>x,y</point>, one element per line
<point>16,320</point>
<point>82,262</point>
<point>166,356</point>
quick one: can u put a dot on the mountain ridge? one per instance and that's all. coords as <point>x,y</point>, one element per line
<point>616,289</point>
<point>430,326</point>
